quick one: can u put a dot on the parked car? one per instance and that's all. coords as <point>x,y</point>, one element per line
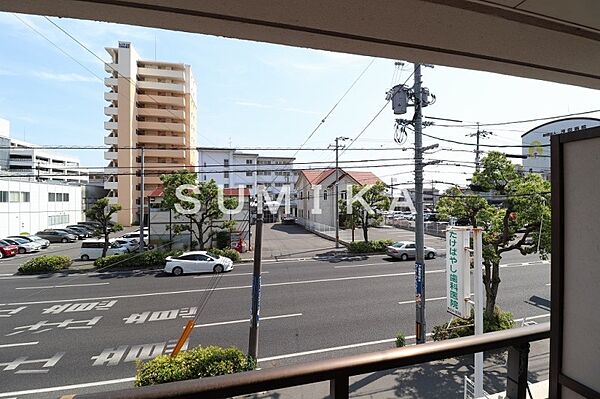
<point>197,262</point>
<point>43,243</point>
<point>93,225</point>
<point>407,249</point>
<point>56,236</point>
<point>136,236</point>
<point>132,244</point>
<point>7,250</point>
<point>24,246</point>
<point>92,249</point>
<point>289,219</point>
<point>78,235</point>
<point>89,230</point>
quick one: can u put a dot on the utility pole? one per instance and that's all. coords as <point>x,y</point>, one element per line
<point>142,242</point>
<point>337,205</point>
<point>479,133</point>
<point>419,223</point>
<point>254,319</point>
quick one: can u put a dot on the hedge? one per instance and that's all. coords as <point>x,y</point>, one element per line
<point>45,264</point>
<point>195,363</point>
<point>144,260</point>
<point>369,246</point>
<point>227,252</point>
<point>458,327</point>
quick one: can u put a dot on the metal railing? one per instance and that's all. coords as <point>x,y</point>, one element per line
<point>338,371</point>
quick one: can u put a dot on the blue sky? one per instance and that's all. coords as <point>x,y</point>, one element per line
<point>255,94</point>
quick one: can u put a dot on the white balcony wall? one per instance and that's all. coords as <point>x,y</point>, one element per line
<point>162,73</point>
<point>160,86</point>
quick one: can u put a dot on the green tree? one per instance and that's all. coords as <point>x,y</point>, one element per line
<point>520,223</point>
<point>375,197</point>
<point>102,211</point>
<point>208,216</point>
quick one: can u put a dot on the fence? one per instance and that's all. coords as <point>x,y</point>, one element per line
<point>317,227</point>
<point>437,229</point>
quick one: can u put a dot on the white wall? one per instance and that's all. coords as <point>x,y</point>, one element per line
<point>33,216</point>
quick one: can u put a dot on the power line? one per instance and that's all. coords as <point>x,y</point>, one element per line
<point>486,145</point>
<point>523,121</point>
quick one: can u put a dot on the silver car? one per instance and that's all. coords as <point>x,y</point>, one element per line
<point>407,249</point>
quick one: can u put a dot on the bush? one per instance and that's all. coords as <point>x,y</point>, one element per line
<point>223,239</point>
<point>400,340</point>
<point>196,363</point>
<point>227,252</point>
<point>369,246</point>
<point>144,260</point>
<point>501,320</point>
<point>45,264</point>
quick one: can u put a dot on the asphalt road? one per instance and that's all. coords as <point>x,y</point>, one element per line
<point>86,331</point>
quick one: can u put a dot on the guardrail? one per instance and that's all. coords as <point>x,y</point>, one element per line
<point>338,371</point>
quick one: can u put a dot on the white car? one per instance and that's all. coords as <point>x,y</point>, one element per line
<point>136,236</point>
<point>25,246</point>
<point>92,249</point>
<point>132,244</point>
<point>197,262</point>
<point>407,249</point>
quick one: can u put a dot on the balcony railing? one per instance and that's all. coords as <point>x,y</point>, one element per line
<point>338,371</point>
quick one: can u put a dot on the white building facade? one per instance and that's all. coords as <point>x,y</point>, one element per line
<point>536,142</point>
<point>230,169</point>
<point>29,206</point>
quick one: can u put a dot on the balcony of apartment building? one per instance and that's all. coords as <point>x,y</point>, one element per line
<point>111,185</point>
<point>111,155</point>
<point>161,73</point>
<point>111,125</point>
<point>161,86</point>
<point>111,82</point>
<point>111,140</point>
<point>111,111</point>
<point>158,98</point>
<point>111,67</point>
<point>165,153</point>
<point>178,127</point>
<point>153,111</point>
<point>111,96</point>
<point>154,137</point>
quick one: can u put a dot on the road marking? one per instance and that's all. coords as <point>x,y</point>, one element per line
<point>229,274</point>
<point>427,299</point>
<point>66,387</point>
<point>59,286</point>
<point>19,344</point>
<point>326,280</point>
<point>332,349</point>
<point>223,323</point>
<point>364,265</point>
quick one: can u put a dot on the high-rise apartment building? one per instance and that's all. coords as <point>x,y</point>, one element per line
<point>151,104</point>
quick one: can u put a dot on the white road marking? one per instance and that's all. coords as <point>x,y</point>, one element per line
<point>229,274</point>
<point>364,265</point>
<point>19,344</point>
<point>332,349</point>
<point>427,299</point>
<point>541,316</point>
<point>66,387</point>
<point>223,323</point>
<point>59,286</point>
<point>325,280</point>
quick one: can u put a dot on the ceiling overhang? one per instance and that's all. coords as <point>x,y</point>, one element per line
<point>551,40</point>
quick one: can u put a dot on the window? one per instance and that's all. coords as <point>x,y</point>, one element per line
<point>249,186</point>
<point>51,197</point>
<point>225,185</point>
<point>301,195</point>
<point>225,163</point>
<point>226,175</point>
<point>248,162</point>
<point>3,196</point>
<point>25,196</point>
<point>325,195</point>
<point>66,197</point>
<point>14,196</point>
<point>53,220</point>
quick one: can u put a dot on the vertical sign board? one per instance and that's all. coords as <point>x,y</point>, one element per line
<point>457,272</point>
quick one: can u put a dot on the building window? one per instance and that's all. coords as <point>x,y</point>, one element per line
<point>14,196</point>
<point>249,186</point>
<point>225,185</point>
<point>301,195</point>
<point>66,197</point>
<point>226,175</point>
<point>225,163</point>
<point>53,220</point>
<point>25,196</point>
<point>325,195</point>
<point>3,196</point>
<point>249,162</point>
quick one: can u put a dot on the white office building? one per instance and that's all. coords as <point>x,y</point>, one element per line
<point>536,142</point>
<point>230,169</point>
<point>30,206</point>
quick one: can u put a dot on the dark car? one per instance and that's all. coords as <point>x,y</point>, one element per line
<point>44,243</point>
<point>56,236</point>
<point>81,235</point>
<point>94,225</point>
<point>7,250</point>
<point>79,230</point>
<point>85,227</point>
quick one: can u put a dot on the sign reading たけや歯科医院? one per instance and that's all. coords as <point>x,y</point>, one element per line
<point>457,272</point>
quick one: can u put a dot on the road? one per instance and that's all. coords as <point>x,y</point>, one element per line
<point>87,330</point>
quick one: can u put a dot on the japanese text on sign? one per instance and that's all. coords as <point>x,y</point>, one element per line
<point>457,272</point>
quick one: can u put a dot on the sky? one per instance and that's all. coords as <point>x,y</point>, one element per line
<point>253,94</point>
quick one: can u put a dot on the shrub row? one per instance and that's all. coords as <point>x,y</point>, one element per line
<point>144,260</point>
<point>369,246</point>
<point>501,320</point>
<point>45,264</point>
<point>196,363</point>
<point>227,252</point>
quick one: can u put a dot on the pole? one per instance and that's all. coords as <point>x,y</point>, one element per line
<point>249,223</point>
<point>337,205</point>
<point>142,241</point>
<point>419,223</point>
<point>254,319</point>
<point>478,291</point>
<point>477,149</point>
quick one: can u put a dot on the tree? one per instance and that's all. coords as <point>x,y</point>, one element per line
<point>349,221</point>
<point>206,195</point>
<point>102,211</point>
<point>520,223</point>
<point>375,197</point>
